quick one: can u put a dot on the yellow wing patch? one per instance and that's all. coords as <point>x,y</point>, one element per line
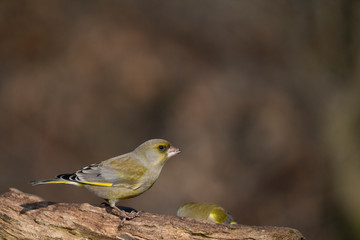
<point>97,184</point>
<point>81,182</point>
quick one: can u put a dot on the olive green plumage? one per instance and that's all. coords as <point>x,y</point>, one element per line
<point>205,211</point>
<point>124,176</point>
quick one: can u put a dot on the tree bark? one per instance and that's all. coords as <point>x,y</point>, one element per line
<point>25,216</point>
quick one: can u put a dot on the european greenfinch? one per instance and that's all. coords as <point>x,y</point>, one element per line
<point>205,211</point>
<point>124,176</point>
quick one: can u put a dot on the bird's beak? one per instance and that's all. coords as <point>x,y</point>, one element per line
<point>172,151</point>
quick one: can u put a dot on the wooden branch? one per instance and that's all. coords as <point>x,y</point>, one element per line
<point>25,216</point>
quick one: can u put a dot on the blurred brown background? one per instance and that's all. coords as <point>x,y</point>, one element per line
<point>261,96</point>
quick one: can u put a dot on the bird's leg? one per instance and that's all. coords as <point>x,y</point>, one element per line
<point>124,215</point>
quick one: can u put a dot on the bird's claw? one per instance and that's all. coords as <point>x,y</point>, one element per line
<point>122,214</point>
<point>125,215</point>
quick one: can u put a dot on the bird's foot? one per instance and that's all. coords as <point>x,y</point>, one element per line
<point>124,215</point>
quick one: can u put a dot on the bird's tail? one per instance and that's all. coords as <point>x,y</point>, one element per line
<point>63,178</point>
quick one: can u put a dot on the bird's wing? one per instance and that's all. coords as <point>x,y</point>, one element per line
<point>124,171</point>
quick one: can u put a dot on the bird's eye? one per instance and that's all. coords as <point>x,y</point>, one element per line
<point>161,147</point>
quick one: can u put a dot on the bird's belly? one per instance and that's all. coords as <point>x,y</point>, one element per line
<point>115,192</point>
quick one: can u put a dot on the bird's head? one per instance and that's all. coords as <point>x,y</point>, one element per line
<point>157,151</point>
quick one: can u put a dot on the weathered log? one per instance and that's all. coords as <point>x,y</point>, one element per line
<point>25,216</point>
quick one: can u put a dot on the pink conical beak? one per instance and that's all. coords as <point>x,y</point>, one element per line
<point>172,151</point>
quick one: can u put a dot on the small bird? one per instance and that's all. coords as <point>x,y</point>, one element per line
<point>205,211</point>
<point>124,176</point>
